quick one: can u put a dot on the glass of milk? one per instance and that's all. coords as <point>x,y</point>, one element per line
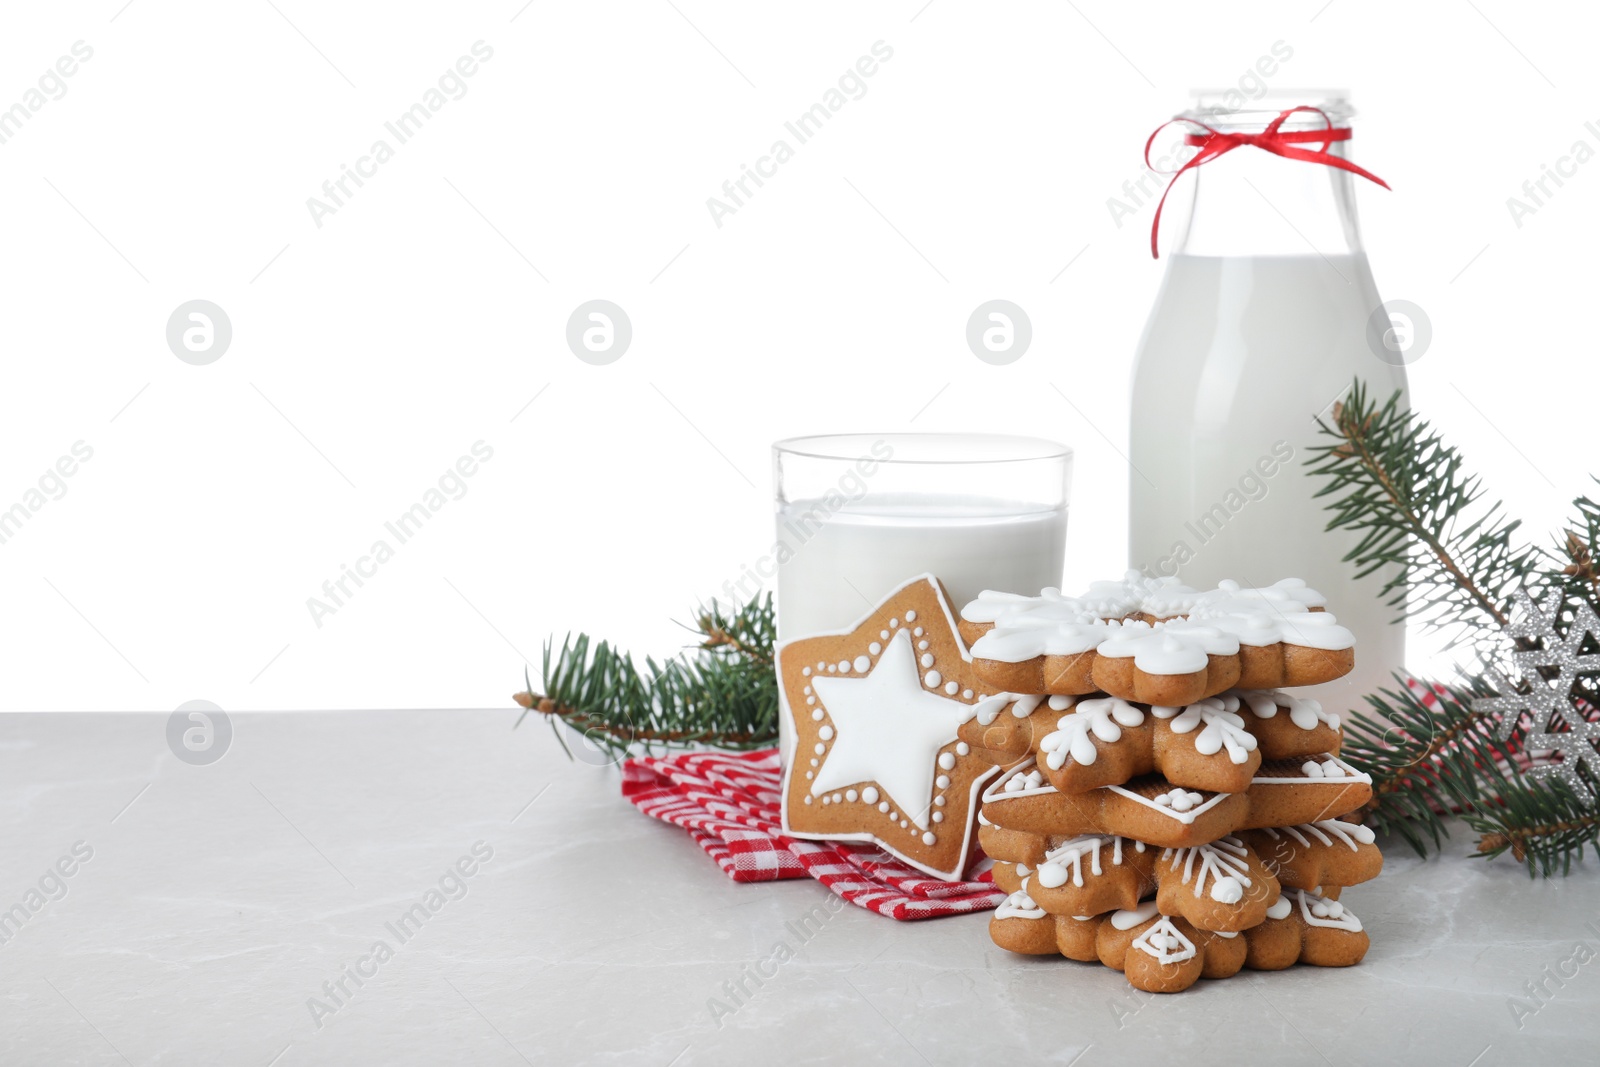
<point>858,514</point>
<point>1262,321</point>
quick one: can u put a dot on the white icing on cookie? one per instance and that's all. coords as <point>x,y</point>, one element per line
<point>1179,804</point>
<point>1022,640</point>
<point>1002,608</point>
<point>1223,726</point>
<point>1177,647</point>
<point>988,709</point>
<point>1165,942</point>
<point>1114,599</point>
<point>1316,911</point>
<point>1054,871</point>
<point>1223,861</point>
<point>1169,600</point>
<point>1018,905</point>
<point>888,729</point>
<point>1250,624</point>
<point>1316,629</point>
<point>1179,799</point>
<point>1053,624</point>
<point>1025,780</point>
<point>1102,717</point>
<point>1128,918</point>
<point>990,605</point>
<point>1328,768</point>
<point>1033,780</point>
<point>1024,706</point>
<point>1284,592</point>
<point>1326,832</point>
<point>1303,711</point>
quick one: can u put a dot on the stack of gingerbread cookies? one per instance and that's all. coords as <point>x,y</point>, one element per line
<point>1165,807</point>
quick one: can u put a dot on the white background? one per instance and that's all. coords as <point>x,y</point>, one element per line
<point>429,311</point>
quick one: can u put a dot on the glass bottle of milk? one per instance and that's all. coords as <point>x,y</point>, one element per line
<point>1260,325</point>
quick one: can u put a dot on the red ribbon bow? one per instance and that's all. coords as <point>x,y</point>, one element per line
<point>1272,139</point>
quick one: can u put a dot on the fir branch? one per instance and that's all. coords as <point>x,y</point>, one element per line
<point>1544,827</point>
<point>724,694</point>
<point>1427,758</point>
<point>751,633</point>
<point>1574,565</point>
<point>1450,560</point>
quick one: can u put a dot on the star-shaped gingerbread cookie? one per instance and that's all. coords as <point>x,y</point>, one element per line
<point>875,711</point>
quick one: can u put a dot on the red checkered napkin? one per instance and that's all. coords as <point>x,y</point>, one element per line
<point>728,801</point>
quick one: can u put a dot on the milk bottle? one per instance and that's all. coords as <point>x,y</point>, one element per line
<point>1260,325</point>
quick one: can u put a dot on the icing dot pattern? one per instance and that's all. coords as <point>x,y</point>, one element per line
<point>1179,799</point>
<point>831,726</point>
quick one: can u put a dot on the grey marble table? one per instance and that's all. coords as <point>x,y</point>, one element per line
<point>231,913</point>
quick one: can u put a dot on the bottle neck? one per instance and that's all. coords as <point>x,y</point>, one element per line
<point>1251,202</point>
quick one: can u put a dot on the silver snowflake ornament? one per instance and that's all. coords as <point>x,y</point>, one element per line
<point>1544,689</point>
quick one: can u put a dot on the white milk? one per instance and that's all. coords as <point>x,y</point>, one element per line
<point>1239,356</point>
<point>843,563</point>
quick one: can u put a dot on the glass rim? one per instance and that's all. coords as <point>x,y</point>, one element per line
<point>812,446</point>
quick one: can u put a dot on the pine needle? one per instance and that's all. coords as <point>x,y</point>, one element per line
<point>1455,563</point>
<point>723,693</point>
<point>1450,556</point>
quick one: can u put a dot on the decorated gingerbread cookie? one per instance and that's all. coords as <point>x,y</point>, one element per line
<point>1162,953</point>
<point>1287,726</point>
<point>1326,853</point>
<point>1147,808</point>
<point>875,712</point>
<point>1156,642</point>
<point>1020,925</point>
<point>1158,953</point>
<point>1151,809</point>
<point>1174,662</point>
<point>1094,873</point>
<point>1223,885</point>
<point>1216,743</point>
<point>1006,726</point>
<point>1014,846</point>
<point>1303,927</point>
<point>1288,792</point>
<point>1107,740</point>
